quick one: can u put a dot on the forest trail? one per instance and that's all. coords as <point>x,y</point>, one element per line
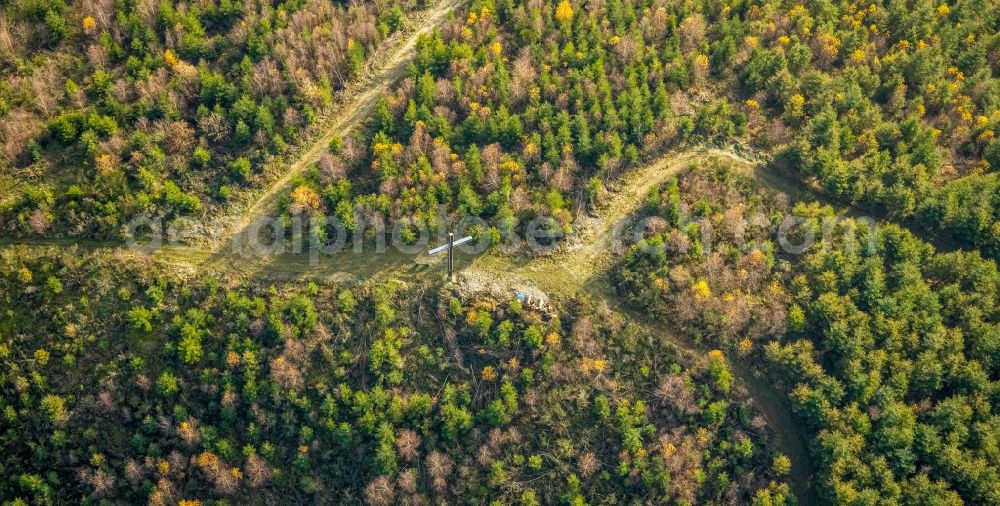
<point>591,248</point>
<point>578,268</point>
<point>356,104</point>
<point>586,253</point>
<point>582,268</point>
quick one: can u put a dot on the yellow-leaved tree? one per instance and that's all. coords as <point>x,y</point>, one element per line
<point>564,11</point>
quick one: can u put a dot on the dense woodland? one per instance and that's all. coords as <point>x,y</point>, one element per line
<point>111,109</point>
<point>525,110</point>
<point>887,349</point>
<point>143,387</point>
<point>123,381</point>
<point>510,110</point>
<point>521,111</point>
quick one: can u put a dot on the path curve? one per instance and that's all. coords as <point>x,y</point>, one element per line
<point>582,267</point>
<point>579,267</point>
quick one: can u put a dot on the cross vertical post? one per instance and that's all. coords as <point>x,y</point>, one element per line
<point>449,247</point>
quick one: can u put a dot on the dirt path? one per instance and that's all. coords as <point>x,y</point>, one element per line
<point>214,254</point>
<point>582,267</point>
<point>578,268</point>
<point>786,434</point>
<point>360,100</point>
<point>591,248</point>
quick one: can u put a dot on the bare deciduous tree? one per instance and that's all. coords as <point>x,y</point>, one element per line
<point>490,156</point>
<point>692,32</point>
<point>214,126</point>
<point>674,392</point>
<point>286,374</point>
<point>100,480</point>
<point>179,138</point>
<point>407,481</point>
<point>332,168</point>
<point>408,443</point>
<point>266,78</point>
<point>39,221</point>
<point>258,471</point>
<point>588,464</point>
<point>438,465</point>
<point>380,492</point>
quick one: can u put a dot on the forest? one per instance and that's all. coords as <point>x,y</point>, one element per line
<point>886,348</point>
<point>509,109</point>
<point>843,250</point>
<point>528,110</point>
<point>145,387</point>
<point>113,109</point>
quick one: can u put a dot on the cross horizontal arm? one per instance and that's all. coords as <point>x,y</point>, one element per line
<point>439,249</point>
